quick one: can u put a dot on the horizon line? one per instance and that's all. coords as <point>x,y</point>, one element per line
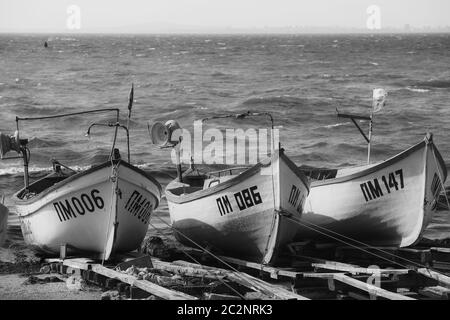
<point>372,32</point>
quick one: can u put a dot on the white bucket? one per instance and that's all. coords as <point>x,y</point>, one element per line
<point>3,223</point>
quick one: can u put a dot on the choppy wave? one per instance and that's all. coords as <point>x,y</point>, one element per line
<point>335,125</point>
<point>41,143</point>
<point>418,90</point>
<point>438,84</point>
<point>301,85</point>
<point>282,100</point>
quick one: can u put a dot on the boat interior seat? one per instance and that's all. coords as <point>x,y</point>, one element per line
<point>41,185</point>
<point>211,182</point>
<point>319,173</point>
<point>185,189</point>
<point>195,180</point>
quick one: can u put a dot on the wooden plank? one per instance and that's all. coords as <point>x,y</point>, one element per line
<point>264,287</point>
<point>253,295</point>
<point>442,250</point>
<point>188,270</point>
<point>78,263</point>
<point>139,262</point>
<point>250,282</point>
<point>436,292</point>
<point>353,269</point>
<point>142,284</point>
<point>324,275</point>
<point>215,296</point>
<point>371,289</point>
<point>441,278</point>
<point>445,266</point>
<point>274,272</point>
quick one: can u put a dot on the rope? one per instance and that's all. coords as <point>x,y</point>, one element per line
<point>274,202</point>
<point>114,179</point>
<point>442,182</point>
<point>204,249</point>
<point>364,244</point>
<point>196,261</point>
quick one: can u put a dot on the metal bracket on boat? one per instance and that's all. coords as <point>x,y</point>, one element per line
<point>378,102</point>
<point>355,117</point>
<point>112,125</point>
<point>429,138</point>
<point>57,166</point>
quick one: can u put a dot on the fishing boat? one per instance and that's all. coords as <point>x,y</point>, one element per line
<point>101,210</point>
<point>240,212</point>
<point>386,203</point>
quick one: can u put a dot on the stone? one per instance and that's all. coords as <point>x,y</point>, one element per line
<point>75,283</point>
<point>45,269</point>
<point>111,295</point>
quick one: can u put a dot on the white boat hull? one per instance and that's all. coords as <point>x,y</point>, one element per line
<point>389,203</point>
<point>100,211</point>
<point>245,216</point>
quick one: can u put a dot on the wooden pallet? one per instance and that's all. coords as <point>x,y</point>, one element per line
<point>108,276</point>
<point>420,282</point>
<point>324,271</point>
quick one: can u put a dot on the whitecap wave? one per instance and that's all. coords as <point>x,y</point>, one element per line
<point>335,125</point>
<point>419,90</point>
<point>17,170</point>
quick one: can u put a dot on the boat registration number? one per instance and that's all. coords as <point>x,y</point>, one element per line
<point>295,200</point>
<point>379,187</point>
<point>78,206</point>
<point>139,206</point>
<point>244,199</point>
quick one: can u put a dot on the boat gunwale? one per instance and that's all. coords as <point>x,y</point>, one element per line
<point>18,201</point>
<point>402,155</point>
<point>279,154</point>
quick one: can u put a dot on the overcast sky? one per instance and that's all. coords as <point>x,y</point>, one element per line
<point>210,15</point>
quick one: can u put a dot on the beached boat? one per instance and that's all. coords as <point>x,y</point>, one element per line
<point>102,210</point>
<point>386,203</point>
<point>239,212</point>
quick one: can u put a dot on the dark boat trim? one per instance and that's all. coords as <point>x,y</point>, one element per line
<point>385,164</point>
<point>243,176</point>
<point>441,161</point>
<point>291,165</point>
<point>76,176</point>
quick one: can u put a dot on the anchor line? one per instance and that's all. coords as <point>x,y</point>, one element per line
<point>274,205</point>
<point>192,258</point>
<point>113,178</point>
<point>442,183</point>
<point>316,227</point>
<point>237,273</point>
